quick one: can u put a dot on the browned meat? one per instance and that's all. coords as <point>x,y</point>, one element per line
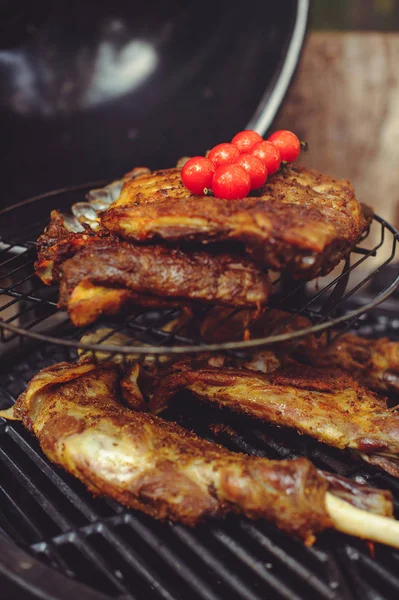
<point>105,275</point>
<point>88,302</point>
<point>67,234</point>
<point>160,468</point>
<point>325,404</point>
<point>56,244</point>
<point>375,362</point>
<point>101,275</point>
<point>303,221</point>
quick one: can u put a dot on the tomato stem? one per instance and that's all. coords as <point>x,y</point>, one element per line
<point>304,146</point>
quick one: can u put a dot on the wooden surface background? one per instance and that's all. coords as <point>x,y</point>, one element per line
<point>345,103</point>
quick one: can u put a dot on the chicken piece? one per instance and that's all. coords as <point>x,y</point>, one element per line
<point>325,404</point>
<point>302,221</point>
<point>160,468</point>
<point>109,274</point>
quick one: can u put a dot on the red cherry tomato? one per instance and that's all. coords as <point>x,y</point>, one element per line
<point>223,154</point>
<point>231,181</point>
<point>245,140</point>
<point>255,168</point>
<point>197,174</point>
<point>268,154</point>
<point>288,144</point>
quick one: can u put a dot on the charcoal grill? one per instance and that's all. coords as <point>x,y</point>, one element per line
<point>57,541</point>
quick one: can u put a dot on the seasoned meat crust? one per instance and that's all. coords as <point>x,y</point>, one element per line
<point>156,466</point>
<point>325,404</point>
<point>56,244</point>
<point>374,362</point>
<point>162,469</point>
<point>303,221</point>
<point>108,274</point>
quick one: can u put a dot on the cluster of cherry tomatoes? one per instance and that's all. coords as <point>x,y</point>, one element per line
<point>231,170</point>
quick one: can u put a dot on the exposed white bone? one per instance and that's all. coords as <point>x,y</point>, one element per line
<point>361,523</point>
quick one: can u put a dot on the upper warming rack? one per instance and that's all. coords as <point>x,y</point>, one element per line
<point>28,309</point>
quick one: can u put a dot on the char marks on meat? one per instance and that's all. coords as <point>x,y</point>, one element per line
<point>99,274</point>
<point>302,221</point>
<point>57,243</point>
<point>156,275</point>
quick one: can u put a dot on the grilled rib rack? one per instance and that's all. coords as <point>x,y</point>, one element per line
<point>61,530</point>
<point>33,306</point>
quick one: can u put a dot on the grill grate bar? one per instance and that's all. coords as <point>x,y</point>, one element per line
<point>27,296</point>
<point>8,499</point>
<point>32,489</point>
<point>28,263</point>
<point>5,247</point>
<point>103,526</point>
<point>11,398</point>
<point>172,560</point>
<point>19,256</point>
<point>100,563</point>
<point>24,279</point>
<point>100,525</point>
<point>145,572</point>
<point>25,310</point>
<point>210,559</point>
<point>294,565</point>
<point>145,331</point>
<point>258,567</point>
<point>8,304</point>
<point>378,569</point>
<point>358,286</point>
<point>37,321</point>
<point>52,555</point>
<point>54,477</point>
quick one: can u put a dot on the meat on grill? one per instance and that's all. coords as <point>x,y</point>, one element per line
<point>325,404</point>
<point>162,469</point>
<point>108,274</point>
<point>56,244</point>
<point>303,221</point>
<point>67,234</point>
<point>375,362</point>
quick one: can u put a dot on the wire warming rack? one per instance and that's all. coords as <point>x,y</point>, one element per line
<point>28,309</point>
<point>61,530</point>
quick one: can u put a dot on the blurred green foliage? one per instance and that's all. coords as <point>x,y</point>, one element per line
<point>371,15</point>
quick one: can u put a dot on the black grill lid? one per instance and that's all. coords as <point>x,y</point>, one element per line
<point>88,90</point>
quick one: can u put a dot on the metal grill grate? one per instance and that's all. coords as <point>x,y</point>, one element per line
<point>127,555</point>
<point>337,299</point>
